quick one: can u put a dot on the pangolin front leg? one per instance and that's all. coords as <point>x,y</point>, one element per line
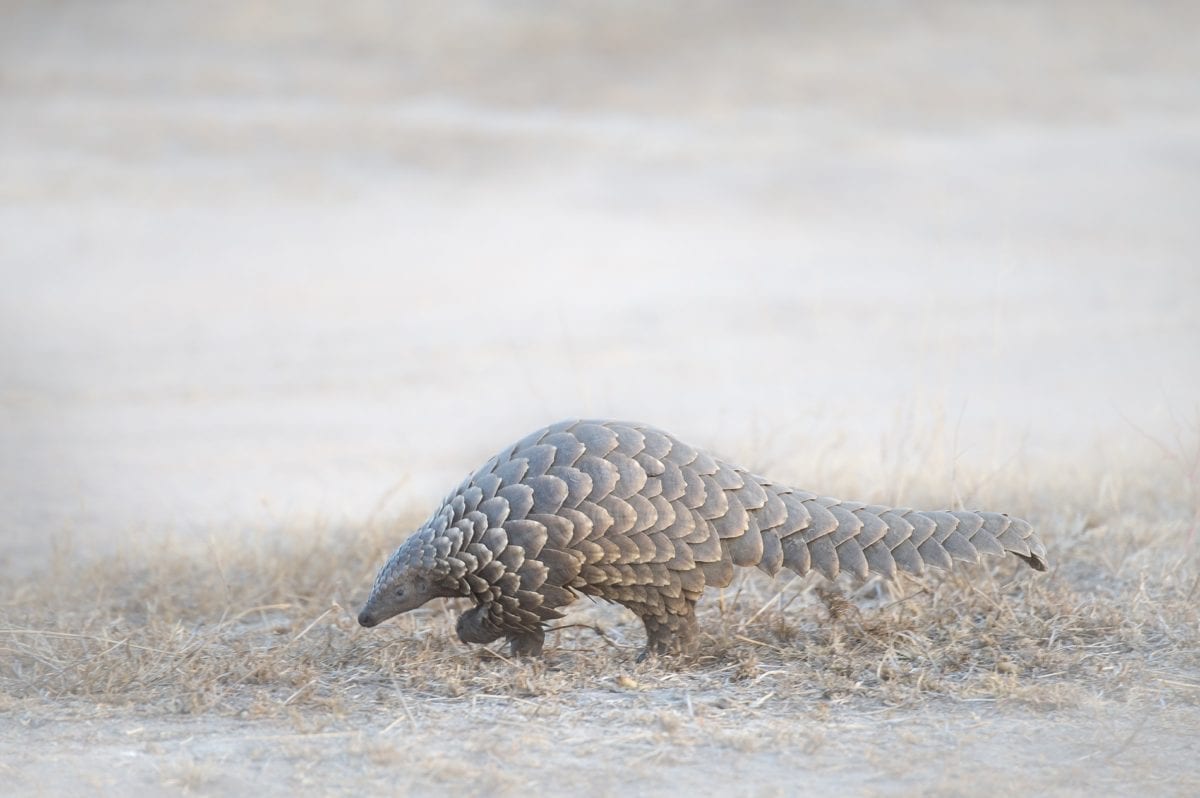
<point>475,626</point>
<point>527,644</point>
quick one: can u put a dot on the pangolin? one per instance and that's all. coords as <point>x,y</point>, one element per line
<point>628,513</point>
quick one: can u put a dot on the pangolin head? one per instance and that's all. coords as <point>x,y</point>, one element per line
<point>413,575</point>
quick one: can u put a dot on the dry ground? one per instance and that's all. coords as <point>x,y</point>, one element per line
<point>255,266</point>
<point>243,670</point>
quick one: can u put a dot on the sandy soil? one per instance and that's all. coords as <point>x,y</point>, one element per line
<point>265,273</point>
<point>658,748</point>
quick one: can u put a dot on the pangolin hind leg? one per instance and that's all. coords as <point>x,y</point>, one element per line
<point>671,632</point>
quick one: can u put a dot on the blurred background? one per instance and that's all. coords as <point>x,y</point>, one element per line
<point>268,265</point>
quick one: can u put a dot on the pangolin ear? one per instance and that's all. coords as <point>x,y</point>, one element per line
<point>438,588</point>
<point>419,586</point>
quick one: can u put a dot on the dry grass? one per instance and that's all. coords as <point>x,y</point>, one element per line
<point>268,631</point>
<point>228,669</point>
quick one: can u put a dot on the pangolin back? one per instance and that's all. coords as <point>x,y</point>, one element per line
<point>629,513</point>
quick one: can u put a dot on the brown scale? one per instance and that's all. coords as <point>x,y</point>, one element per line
<point>627,513</point>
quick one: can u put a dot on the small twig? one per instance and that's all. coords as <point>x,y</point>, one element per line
<point>654,752</point>
<point>1125,744</point>
<point>593,627</point>
<point>407,713</point>
<point>498,655</point>
<point>754,642</point>
<point>93,638</point>
<point>923,591</point>
<point>216,555</point>
<point>760,701</point>
<point>296,694</point>
<point>768,603</point>
<point>262,608</point>
<point>508,698</point>
<point>315,621</point>
<point>313,736</point>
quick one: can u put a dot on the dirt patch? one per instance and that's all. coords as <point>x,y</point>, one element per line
<point>614,742</point>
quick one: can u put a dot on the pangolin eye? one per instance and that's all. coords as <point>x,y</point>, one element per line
<point>400,592</point>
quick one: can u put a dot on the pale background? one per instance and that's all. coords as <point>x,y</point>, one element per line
<point>276,265</point>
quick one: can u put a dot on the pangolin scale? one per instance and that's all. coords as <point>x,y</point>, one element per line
<point>628,513</point>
